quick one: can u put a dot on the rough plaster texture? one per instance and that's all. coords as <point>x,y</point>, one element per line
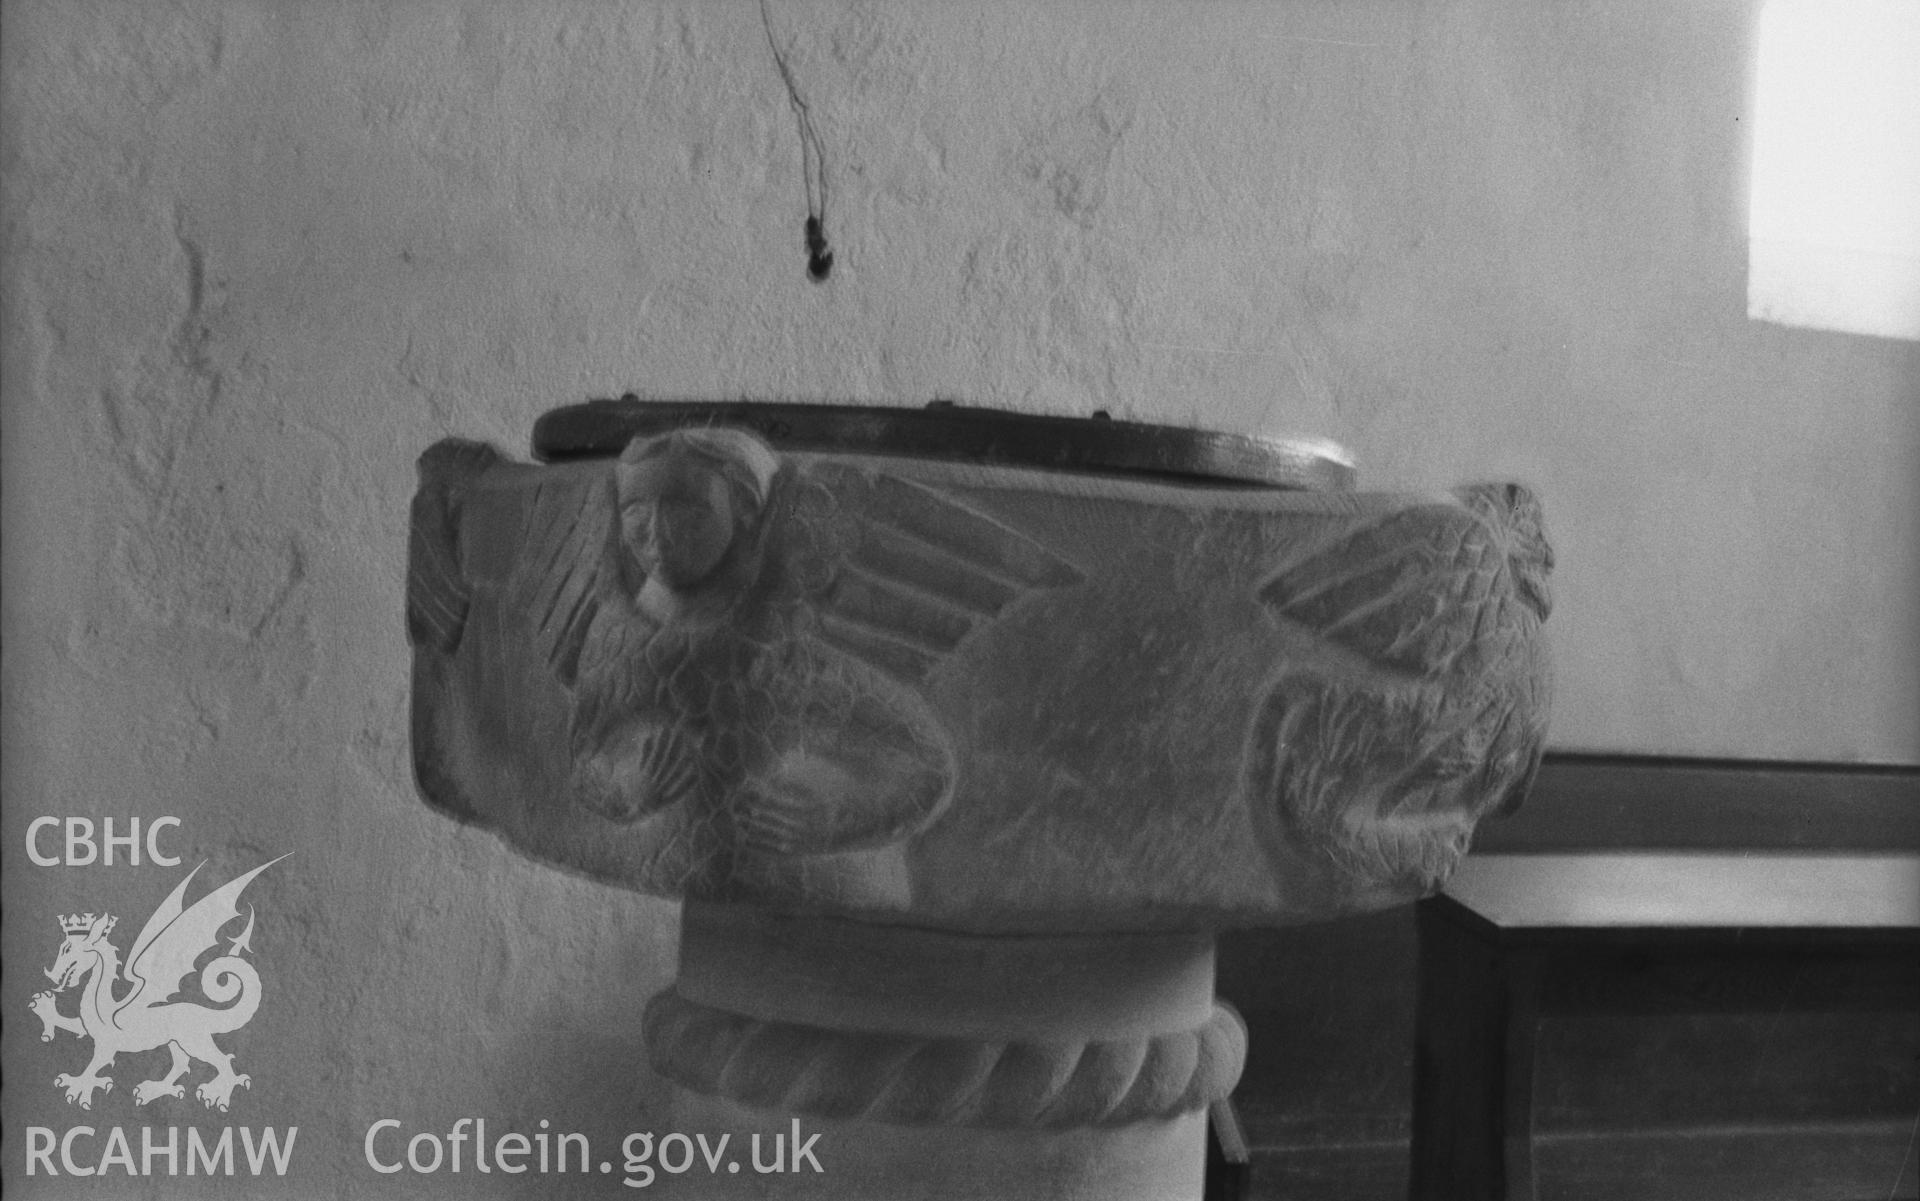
<point>259,255</point>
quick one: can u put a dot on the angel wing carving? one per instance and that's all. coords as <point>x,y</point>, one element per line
<point>913,573</point>
<point>925,571</point>
<point>1417,588</point>
<point>567,571</point>
<point>742,639</point>
<point>555,569</point>
<point>1442,719</point>
<point>437,589</point>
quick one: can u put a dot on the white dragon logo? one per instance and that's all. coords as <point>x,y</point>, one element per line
<point>145,1017</point>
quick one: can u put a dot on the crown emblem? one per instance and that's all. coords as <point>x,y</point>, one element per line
<point>80,923</point>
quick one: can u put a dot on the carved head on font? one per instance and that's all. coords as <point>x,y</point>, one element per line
<point>686,497</point>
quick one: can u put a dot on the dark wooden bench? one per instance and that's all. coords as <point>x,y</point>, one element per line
<point>1516,938</point>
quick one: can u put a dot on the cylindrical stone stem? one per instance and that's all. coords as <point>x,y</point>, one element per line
<point>1061,1065</point>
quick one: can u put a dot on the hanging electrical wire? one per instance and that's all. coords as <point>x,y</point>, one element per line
<point>812,162</point>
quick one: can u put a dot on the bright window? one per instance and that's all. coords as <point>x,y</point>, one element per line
<point>1835,210</point>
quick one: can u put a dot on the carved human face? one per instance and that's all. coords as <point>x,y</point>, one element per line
<point>676,516</point>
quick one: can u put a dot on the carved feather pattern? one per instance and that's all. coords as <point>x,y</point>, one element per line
<point>567,556</point>
<point>845,754</point>
<point>925,571</point>
<point>648,766</point>
<point>1516,513</point>
<point>1388,775</point>
<point>851,765</point>
<point>775,708</point>
<point>438,592</point>
<point>1415,589</point>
